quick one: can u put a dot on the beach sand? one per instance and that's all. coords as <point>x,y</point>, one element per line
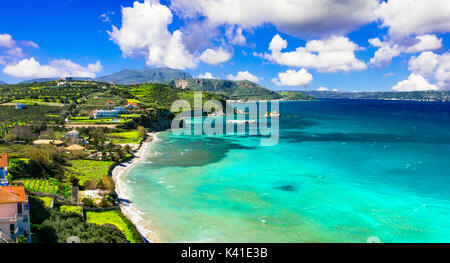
<point>128,208</point>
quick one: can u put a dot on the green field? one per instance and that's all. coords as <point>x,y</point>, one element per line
<point>114,217</point>
<point>47,200</point>
<point>86,170</point>
<point>125,137</point>
<point>38,102</point>
<point>71,209</point>
<point>41,185</point>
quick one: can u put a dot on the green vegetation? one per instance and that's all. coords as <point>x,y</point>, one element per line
<point>235,90</point>
<point>125,137</point>
<point>41,185</point>
<point>71,209</point>
<point>163,95</point>
<point>87,170</point>
<point>47,200</point>
<point>295,95</point>
<point>115,217</point>
<point>33,116</point>
<point>52,226</point>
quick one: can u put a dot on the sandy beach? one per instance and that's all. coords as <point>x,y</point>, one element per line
<point>128,208</point>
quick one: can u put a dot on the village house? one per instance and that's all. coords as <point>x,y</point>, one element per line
<point>73,136</point>
<point>132,105</point>
<point>110,103</point>
<point>14,214</point>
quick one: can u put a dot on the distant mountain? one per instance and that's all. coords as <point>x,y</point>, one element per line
<point>295,95</point>
<point>157,75</point>
<point>388,95</point>
<point>3,83</point>
<point>235,90</point>
<point>49,79</point>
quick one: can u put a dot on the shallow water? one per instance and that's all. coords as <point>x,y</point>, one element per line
<point>343,171</point>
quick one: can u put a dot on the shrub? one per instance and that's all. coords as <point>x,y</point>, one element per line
<point>73,179</point>
<point>88,202</point>
<point>142,132</point>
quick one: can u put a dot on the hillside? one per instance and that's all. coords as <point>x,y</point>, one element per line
<point>244,90</point>
<point>3,83</point>
<point>164,95</point>
<point>295,95</point>
<point>413,95</point>
<point>157,75</point>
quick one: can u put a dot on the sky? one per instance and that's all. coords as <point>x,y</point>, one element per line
<point>341,45</point>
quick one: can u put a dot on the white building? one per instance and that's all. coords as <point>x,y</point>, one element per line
<point>73,135</point>
<point>14,214</point>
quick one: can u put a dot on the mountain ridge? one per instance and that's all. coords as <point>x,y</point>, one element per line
<point>156,75</point>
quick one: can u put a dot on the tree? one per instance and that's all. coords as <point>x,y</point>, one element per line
<point>142,132</point>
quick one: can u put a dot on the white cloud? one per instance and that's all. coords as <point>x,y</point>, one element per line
<point>30,44</point>
<point>432,66</point>
<point>330,55</point>
<point>215,57</point>
<point>295,17</point>
<point>11,50</point>
<point>293,78</point>
<point>335,90</point>
<point>387,50</point>
<point>425,64</point>
<point>106,17</point>
<point>206,75</point>
<point>415,82</point>
<point>7,41</point>
<point>414,17</point>
<point>243,75</point>
<point>323,89</point>
<point>144,33</point>
<point>235,36</point>
<point>30,68</point>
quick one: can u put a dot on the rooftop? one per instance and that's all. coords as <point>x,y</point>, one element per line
<point>75,147</point>
<point>12,194</point>
<point>55,142</point>
<point>4,161</point>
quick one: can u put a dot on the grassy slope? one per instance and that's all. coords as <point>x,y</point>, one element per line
<point>164,95</point>
<point>87,170</point>
<point>115,218</point>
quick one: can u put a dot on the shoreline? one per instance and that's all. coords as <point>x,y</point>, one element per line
<point>128,208</point>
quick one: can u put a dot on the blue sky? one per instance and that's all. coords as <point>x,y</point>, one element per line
<point>76,37</point>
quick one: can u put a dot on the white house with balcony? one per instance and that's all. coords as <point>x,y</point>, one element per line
<point>14,214</point>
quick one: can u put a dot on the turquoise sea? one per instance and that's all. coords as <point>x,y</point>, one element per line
<point>343,171</point>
